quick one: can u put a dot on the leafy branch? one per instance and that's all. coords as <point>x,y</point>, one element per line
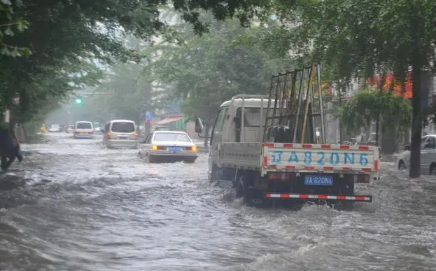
<point>367,106</point>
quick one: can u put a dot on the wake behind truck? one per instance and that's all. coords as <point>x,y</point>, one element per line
<point>274,146</point>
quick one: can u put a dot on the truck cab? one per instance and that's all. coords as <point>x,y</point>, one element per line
<point>229,126</point>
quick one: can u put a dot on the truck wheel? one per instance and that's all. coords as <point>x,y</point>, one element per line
<point>214,175</point>
<point>246,197</point>
<point>345,206</point>
<point>239,186</point>
<point>151,159</point>
<point>249,197</point>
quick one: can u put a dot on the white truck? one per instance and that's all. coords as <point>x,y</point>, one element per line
<point>250,146</point>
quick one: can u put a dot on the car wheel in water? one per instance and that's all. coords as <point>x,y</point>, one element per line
<point>189,161</point>
<point>401,165</point>
<point>344,206</point>
<point>151,159</point>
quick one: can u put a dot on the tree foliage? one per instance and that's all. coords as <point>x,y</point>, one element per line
<point>207,70</point>
<point>125,93</point>
<point>64,35</point>
<point>10,24</point>
<point>366,107</point>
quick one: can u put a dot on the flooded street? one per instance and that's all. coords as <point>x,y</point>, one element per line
<point>85,207</point>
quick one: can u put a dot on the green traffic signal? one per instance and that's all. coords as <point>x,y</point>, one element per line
<point>78,101</point>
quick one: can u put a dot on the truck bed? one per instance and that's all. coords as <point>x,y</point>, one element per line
<point>269,157</point>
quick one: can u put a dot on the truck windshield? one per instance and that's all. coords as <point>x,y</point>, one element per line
<point>251,116</point>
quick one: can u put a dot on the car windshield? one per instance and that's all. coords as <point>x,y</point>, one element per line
<point>123,127</point>
<point>171,137</point>
<point>83,125</point>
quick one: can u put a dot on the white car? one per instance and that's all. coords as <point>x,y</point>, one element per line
<point>168,146</point>
<point>54,128</point>
<point>428,156</point>
<point>83,129</point>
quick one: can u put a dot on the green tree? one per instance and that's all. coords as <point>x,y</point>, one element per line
<point>207,70</point>
<point>10,24</point>
<point>129,94</point>
<point>369,106</point>
<point>62,34</point>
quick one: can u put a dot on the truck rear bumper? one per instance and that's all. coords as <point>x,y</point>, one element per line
<point>364,198</point>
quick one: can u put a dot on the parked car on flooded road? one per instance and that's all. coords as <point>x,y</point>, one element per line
<point>428,156</point>
<point>168,146</point>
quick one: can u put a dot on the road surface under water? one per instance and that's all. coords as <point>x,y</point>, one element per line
<point>85,207</point>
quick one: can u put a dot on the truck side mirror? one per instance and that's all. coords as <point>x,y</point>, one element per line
<point>199,126</point>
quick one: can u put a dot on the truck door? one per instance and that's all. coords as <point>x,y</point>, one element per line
<point>216,138</point>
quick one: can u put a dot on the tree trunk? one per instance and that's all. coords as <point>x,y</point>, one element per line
<point>415,148</point>
<point>377,129</point>
<point>368,132</point>
<point>341,127</point>
<point>388,142</point>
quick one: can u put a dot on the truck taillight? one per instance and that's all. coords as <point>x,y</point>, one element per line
<point>360,178</point>
<point>278,176</point>
<point>136,134</point>
<point>108,135</point>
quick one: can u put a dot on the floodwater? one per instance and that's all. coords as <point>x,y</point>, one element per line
<point>84,207</point>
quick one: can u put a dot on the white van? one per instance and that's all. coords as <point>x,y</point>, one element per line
<point>83,129</point>
<point>121,134</point>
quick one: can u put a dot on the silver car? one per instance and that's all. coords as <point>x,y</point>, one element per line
<point>166,146</point>
<point>428,156</point>
<point>121,134</point>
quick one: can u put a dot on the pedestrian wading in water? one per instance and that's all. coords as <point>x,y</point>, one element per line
<point>9,147</point>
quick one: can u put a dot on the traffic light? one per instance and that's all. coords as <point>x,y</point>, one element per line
<point>79,100</point>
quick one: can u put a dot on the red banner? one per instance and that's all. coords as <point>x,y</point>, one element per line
<point>402,91</point>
